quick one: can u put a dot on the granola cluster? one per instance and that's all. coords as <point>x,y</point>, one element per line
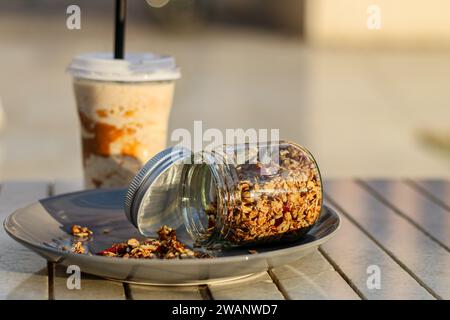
<point>273,200</point>
<point>80,232</point>
<point>80,236</point>
<point>165,247</point>
<point>78,248</point>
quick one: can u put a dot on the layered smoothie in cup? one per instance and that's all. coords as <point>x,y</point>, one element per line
<point>124,107</point>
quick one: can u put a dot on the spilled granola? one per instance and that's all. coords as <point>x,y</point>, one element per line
<point>167,246</point>
<point>78,248</point>
<point>80,232</point>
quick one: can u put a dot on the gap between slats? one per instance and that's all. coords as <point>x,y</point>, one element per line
<point>205,293</point>
<point>399,212</point>
<point>389,253</point>
<point>51,267</point>
<point>50,277</point>
<point>127,291</point>
<point>427,193</point>
<point>277,284</point>
<point>342,274</point>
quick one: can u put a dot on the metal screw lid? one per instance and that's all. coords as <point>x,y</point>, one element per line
<point>160,164</point>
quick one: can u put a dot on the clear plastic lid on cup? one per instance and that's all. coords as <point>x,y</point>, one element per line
<point>134,68</point>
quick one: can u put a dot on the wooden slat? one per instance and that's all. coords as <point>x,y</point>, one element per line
<point>91,286</point>
<point>312,278</point>
<point>23,274</point>
<point>353,252</point>
<point>422,257</point>
<point>437,190</point>
<point>428,216</point>
<point>141,292</point>
<point>260,287</point>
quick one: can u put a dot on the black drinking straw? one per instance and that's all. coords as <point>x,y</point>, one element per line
<point>119,32</point>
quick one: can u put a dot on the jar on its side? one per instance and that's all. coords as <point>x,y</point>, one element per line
<point>239,195</point>
<point>233,195</point>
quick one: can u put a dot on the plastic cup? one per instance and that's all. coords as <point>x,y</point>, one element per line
<point>123,107</point>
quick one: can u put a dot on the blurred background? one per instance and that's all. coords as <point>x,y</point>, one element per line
<point>365,85</point>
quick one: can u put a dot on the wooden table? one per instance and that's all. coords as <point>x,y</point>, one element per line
<point>399,228</point>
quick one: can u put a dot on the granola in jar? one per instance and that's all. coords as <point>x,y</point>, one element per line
<point>273,200</point>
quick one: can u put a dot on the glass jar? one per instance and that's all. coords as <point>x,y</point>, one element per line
<point>232,195</point>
